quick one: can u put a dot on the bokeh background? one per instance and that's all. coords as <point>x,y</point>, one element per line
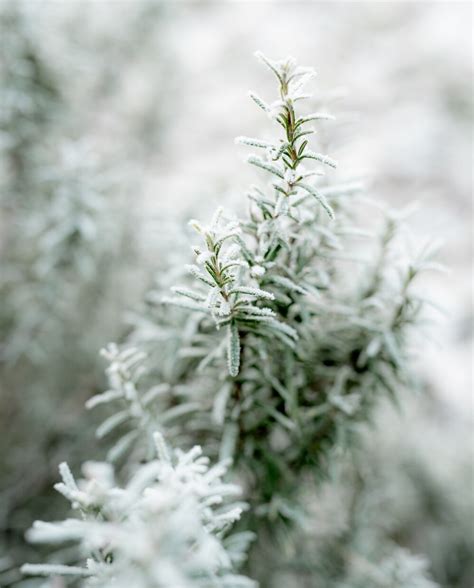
<point>117,122</point>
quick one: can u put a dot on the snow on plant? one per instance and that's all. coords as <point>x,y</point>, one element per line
<point>230,300</point>
<point>62,239</point>
<point>309,333</point>
<point>287,336</point>
<point>60,228</point>
<point>168,526</point>
<point>135,405</point>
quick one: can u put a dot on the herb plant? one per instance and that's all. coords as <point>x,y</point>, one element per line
<point>288,327</point>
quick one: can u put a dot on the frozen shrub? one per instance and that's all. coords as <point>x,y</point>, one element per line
<point>167,527</point>
<point>289,326</point>
<point>295,329</point>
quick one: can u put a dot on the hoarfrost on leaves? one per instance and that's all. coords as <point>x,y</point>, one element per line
<point>307,352</point>
<point>273,358</point>
<point>168,526</point>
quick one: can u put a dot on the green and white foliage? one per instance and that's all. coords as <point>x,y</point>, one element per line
<point>30,100</point>
<point>64,257</point>
<point>56,219</point>
<point>55,286</point>
<point>30,103</point>
<point>294,331</point>
<point>272,350</point>
<point>134,405</point>
<point>230,297</point>
<point>168,526</point>
<point>401,569</point>
<point>354,523</point>
<point>68,238</point>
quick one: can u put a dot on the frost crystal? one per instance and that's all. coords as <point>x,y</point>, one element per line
<point>167,527</point>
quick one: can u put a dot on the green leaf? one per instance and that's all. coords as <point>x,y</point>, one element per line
<point>271,66</point>
<point>266,166</point>
<point>112,423</point>
<point>287,284</point>
<point>179,411</point>
<point>188,294</point>
<point>319,197</point>
<point>120,448</point>
<point>321,158</point>
<point>183,303</point>
<point>255,292</point>
<point>233,349</point>
<point>220,403</point>
<point>259,102</point>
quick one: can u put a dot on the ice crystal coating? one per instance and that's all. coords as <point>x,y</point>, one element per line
<point>166,527</point>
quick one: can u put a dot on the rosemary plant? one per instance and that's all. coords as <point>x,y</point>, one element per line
<point>288,343</point>
<point>271,353</point>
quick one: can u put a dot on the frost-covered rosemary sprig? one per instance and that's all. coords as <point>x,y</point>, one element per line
<point>284,159</point>
<point>138,410</point>
<point>232,298</point>
<point>123,373</point>
<point>315,347</point>
<point>168,526</point>
<point>291,338</point>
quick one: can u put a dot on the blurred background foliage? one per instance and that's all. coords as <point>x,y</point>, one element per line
<point>116,125</point>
